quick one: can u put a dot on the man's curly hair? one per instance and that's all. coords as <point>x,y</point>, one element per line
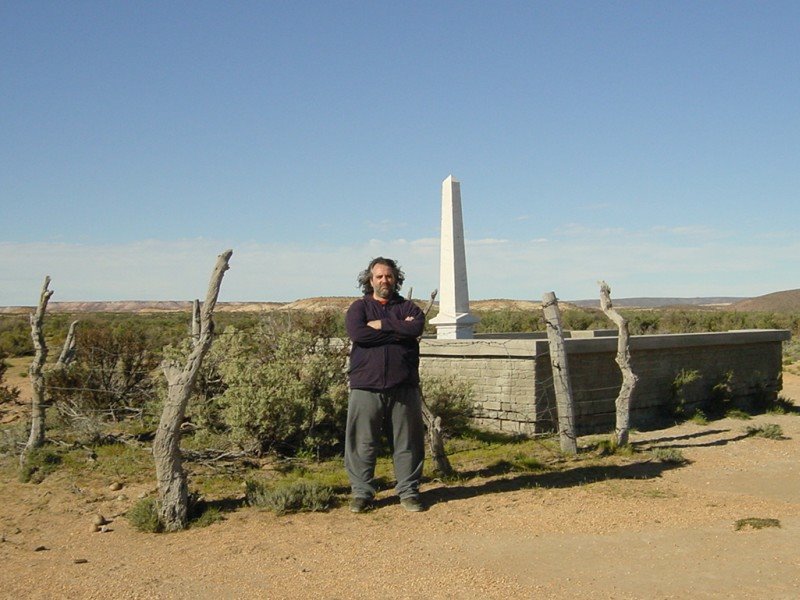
<point>364,278</point>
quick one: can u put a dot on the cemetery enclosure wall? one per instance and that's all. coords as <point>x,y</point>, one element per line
<point>511,377</point>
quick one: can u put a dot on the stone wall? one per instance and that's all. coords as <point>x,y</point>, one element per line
<point>512,379</point>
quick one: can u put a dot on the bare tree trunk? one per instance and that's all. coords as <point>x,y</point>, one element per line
<point>36,372</point>
<point>68,350</point>
<point>561,384</point>
<point>172,484</point>
<point>623,359</point>
<point>196,320</point>
<point>433,423</point>
<point>436,441</point>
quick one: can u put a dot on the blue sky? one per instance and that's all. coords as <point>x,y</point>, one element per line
<point>655,145</point>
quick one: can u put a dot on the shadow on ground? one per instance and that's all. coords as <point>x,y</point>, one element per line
<point>555,479</point>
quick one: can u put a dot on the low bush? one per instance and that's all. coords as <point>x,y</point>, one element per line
<point>285,389</point>
<point>771,431</point>
<point>143,516</point>
<point>290,497</point>
<point>681,392</point>
<point>669,455</point>
<point>450,399</point>
<point>755,523</point>
<point>38,464</point>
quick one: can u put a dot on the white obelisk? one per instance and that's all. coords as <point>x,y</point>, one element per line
<point>454,322</point>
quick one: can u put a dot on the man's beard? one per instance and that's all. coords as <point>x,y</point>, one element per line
<point>384,292</point>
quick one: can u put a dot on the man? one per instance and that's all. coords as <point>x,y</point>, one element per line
<point>384,386</point>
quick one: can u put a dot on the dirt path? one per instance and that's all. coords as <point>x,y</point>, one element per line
<point>634,531</point>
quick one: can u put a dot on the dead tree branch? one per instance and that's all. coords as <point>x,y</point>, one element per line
<point>68,350</point>
<point>172,483</point>
<point>623,359</point>
<point>434,422</point>
<point>36,372</point>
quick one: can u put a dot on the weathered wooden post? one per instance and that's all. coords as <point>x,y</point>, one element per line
<point>36,370</point>
<point>173,492</point>
<point>623,402</point>
<point>434,422</point>
<point>561,383</point>
<point>196,320</point>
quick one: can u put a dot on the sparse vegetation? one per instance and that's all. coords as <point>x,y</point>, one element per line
<point>680,391</point>
<point>302,395</point>
<point>699,418</point>
<point>450,399</point>
<point>736,413</point>
<point>38,464</point>
<point>609,446</point>
<point>7,393</point>
<point>755,523</point>
<point>143,516</point>
<point>782,406</point>
<point>290,497</point>
<point>771,431</point>
<point>669,455</point>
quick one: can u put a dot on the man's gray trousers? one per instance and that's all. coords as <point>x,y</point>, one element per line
<point>400,410</point>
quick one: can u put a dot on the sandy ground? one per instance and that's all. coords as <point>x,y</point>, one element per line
<point>630,531</point>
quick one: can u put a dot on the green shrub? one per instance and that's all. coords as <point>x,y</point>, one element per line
<point>286,389</point>
<point>781,406</point>
<point>735,413</point>
<point>680,392</point>
<point>609,446</point>
<point>15,335</point>
<point>450,399</point>
<point>771,431</point>
<point>755,523</point>
<point>699,418</point>
<point>13,438</point>
<point>112,373</point>
<point>721,396</point>
<point>508,321</point>
<point>143,516</point>
<point>290,497</point>
<point>38,464</point>
<point>7,394</point>
<point>669,455</point>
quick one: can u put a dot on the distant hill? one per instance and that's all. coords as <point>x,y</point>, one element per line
<point>141,306</point>
<point>787,301</point>
<point>706,302</point>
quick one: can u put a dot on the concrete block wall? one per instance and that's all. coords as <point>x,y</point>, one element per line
<point>500,371</point>
<point>512,378</point>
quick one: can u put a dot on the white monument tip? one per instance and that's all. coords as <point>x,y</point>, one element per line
<point>450,179</point>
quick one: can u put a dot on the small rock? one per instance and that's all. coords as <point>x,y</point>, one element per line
<point>104,529</point>
<point>99,520</point>
<point>81,561</point>
<point>122,497</point>
<point>116,486</point>
<point>94,528</point>
<point>40,548</point>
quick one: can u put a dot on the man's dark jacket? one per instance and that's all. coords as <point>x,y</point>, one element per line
<point>389,357</point>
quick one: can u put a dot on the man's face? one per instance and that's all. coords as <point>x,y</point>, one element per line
<point>382,281</point>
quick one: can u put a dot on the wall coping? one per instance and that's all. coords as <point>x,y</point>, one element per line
<point>532,348</point>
